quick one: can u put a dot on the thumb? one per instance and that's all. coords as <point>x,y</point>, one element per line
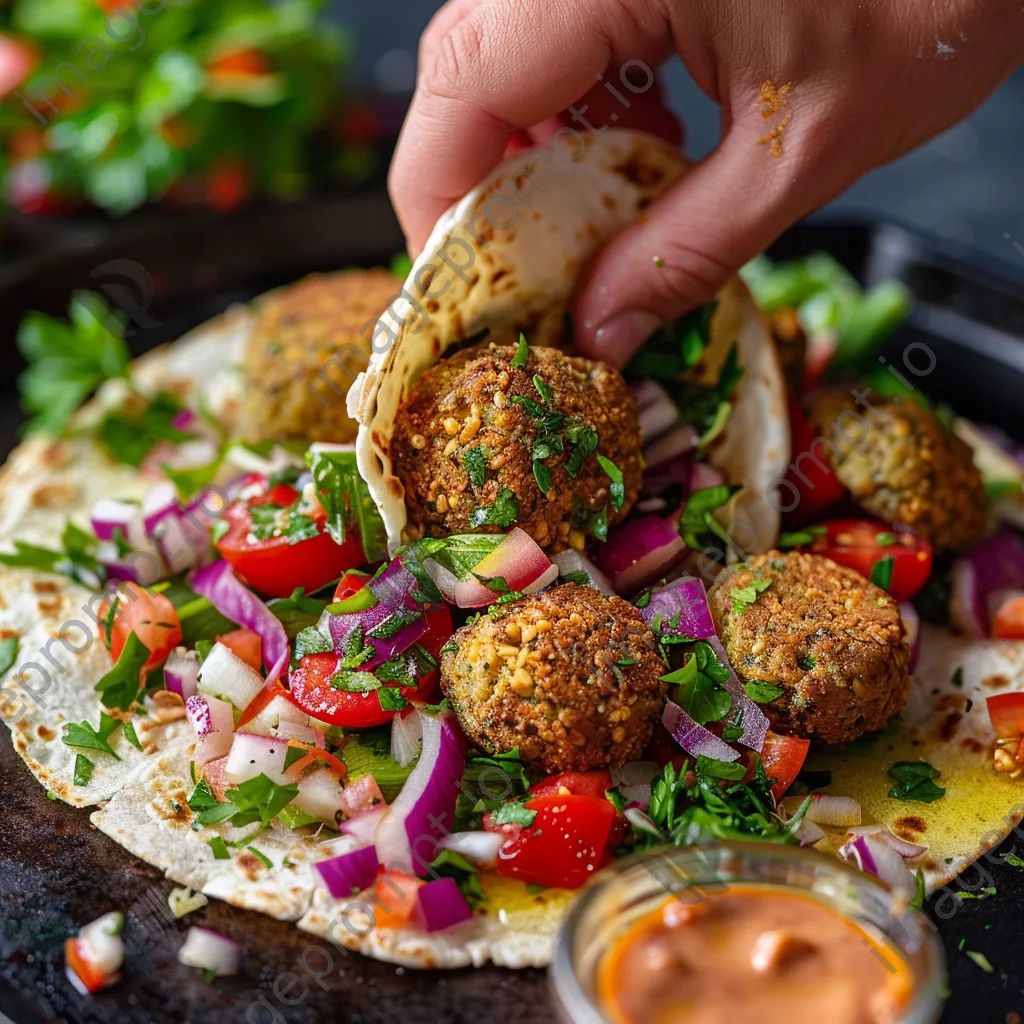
<point>720,214</point>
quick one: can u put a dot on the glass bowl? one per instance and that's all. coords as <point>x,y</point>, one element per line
<point>637,885</point>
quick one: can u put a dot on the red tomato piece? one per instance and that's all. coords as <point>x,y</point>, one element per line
<point>1006,710</point>
<point>311,690</point>
<point>150,616</point>
<point>809,475</point>
<point>595,783</point>
<point>245,645</point>
<point>566,843</point>
<point>88,973</point>
<point>1008,621</point>
<point>396,896</point>
<point>350,584</point>
<point>275,566</point>
<point>860,543</point>
<point>782,757</point>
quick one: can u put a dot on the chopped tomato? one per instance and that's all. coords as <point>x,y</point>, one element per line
<point>595,783</point>
<point>350,584</point>
<point>782,757</point>
<point>312,691</point>
<point>396,896</point>
<point>1008,621</point>
<point>88,973</point>
<point>262,699</point>
<point>860,543</point>
<point>813,485</point>
<point>1006,710</point>
<point>566,843</point>
<point>246,61</point>
<point>246,645</point>
<point>275,566</point>
<point>228,184</point>
<point>150,616</point>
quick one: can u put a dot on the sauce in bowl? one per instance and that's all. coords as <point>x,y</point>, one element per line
<point>750,953</point>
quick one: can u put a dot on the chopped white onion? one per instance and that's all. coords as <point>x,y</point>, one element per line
<point>478,847</point>
<point>406,735</point>
<point>252,755</point>
<point>210,951</point>
<point>226,676</point>
<point>185,901</point>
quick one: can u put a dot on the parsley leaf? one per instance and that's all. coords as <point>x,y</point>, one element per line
<point>881,572</point>
<point>712,768</point>
<point>8,654</point>
<point>259,799</point>
<point>219,848</point>
<point>697,520</point>
<point>131,735</point>
<point>762,692</point>
<point>513,813</point>
<point>449,864</point>
<point>502,513</point>
<point>743,597</point>
<point>915,781</point>
<point>346,500</point>
<point>394,624</point>
<point>119,688</point>
<point>357,651</point>
<point>475,461</point>
<point>583,442</point>
<point>311,641</point>
<point>674,349</point>
<point>82,734</point>
<point>542,475</point>
<point>83,770</point>
<point>700,692</point>
<point>617,490</point>
<point>207,809</point>
<point>799,538</point>
<point>354,682</point>
<point>522,356</point>
<point>595,522</point>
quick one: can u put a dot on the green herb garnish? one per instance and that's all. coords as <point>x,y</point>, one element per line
<point>915,781</point>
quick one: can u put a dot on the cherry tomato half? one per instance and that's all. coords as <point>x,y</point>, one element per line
<point>312,691</point>
<point>810,477</point>
<point>859,544</point>
<point>1008,616</point>
<point>150,616</point>
<point>565,844</point>
<point>276,566</point>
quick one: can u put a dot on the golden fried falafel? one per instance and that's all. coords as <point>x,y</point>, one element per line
<point>306,349</point>
<point>481,444</point>
<point>899,463</point>
<point>833,641</point>
<point>570,676</point>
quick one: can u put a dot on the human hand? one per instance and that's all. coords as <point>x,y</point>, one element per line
<point>813,95</point>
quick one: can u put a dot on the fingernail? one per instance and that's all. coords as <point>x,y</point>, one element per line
<point>618,338</point>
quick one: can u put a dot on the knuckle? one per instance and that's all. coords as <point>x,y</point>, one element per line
<point>690,276</point>
<point>456,60</point>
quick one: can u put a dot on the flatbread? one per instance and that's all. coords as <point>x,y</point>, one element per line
<point>521,277</point>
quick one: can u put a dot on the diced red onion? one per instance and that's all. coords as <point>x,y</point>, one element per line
<point>214,723</point>
<point>393,589</point>
<point>912,624</point>
<point>426,804</point>
<point>253,754</point>
<point>441,906</point>
<point>668,475</point>
<point>808,833</point>
<point>633,781</point>
<point>364,827</point>
<point>640,821</point>
<point>907,850</point>
<point>181,672</point>
<point>110,516</point>
<point>234,600</point>
<point>210,951</point>
<point>548,577</point>
<point>655,409</point>
<point>478,847</point>
<point>687,598</point>
<point>694,738</point>
<point>223,674</point>
<point>183,419</point>
<point>680,440</point>
<point>406,733</point>
<point>160,502</point>
<point>999,562</point>
<point>831,810</point>
<point>640,551</point>
<point>967,611</point>
<point>125,568</point>
<point>362,797</point>
<point>320,795</point>
<point>754,722</point>
<point>874,856</point>
<point>349,873</point>
<point>572,561</point>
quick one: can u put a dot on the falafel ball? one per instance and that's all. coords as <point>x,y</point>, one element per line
<point>833,641</point>
<point>483,445</point>
<point>307,347</point>
<point>900,463</point>
<point>570,676</point>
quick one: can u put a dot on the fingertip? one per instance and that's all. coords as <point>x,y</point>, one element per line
<point>619,338</point>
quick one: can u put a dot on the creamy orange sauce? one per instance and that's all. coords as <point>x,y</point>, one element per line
<point>751,955</point>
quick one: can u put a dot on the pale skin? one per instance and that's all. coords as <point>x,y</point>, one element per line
<point>867,81</point>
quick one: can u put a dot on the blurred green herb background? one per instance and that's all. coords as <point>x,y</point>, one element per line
<point>111,104</point>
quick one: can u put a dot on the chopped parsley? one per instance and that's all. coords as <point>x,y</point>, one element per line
<point>522,356</point>
<point>356,651</point>
<point>643,600</point>
<point>617,490</point>
<point>395,623</point>
<point>881,572</point>
<point>259,799</point>
<point>580,576</point>
<point>347,501</point>
<point>915,781</point>
<point>885,540</point>
<point>75,559</point>
<point>980,960</point>
<point>391,699</point>
<point>219,848</point>
<point>743,597</point>
<point>674,349</point>
<point>806,661</point>
<point>475,462</point>
<point>542,475</point>
<point>981,894</point>
<point>8,654</point>
<point>84,735</point>
<point>762,692</point>
<point>119,688</point>
<point>83,770</point>
<point>354,682</point>
<point>131,735</point>
<point>543,389</point>
<point>502,513</point>
<point>268,521</point>
<point>267,862</point>
<point>958,678</point>
<point>700,693</point>
<point>513,813</point>
<point>1013,860</point>
<point>800,538</point>
<point>584,519</point>
<point>449,864</point>
<point>583,442</point>
<point>697,522</point>
<point>311,641</point>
